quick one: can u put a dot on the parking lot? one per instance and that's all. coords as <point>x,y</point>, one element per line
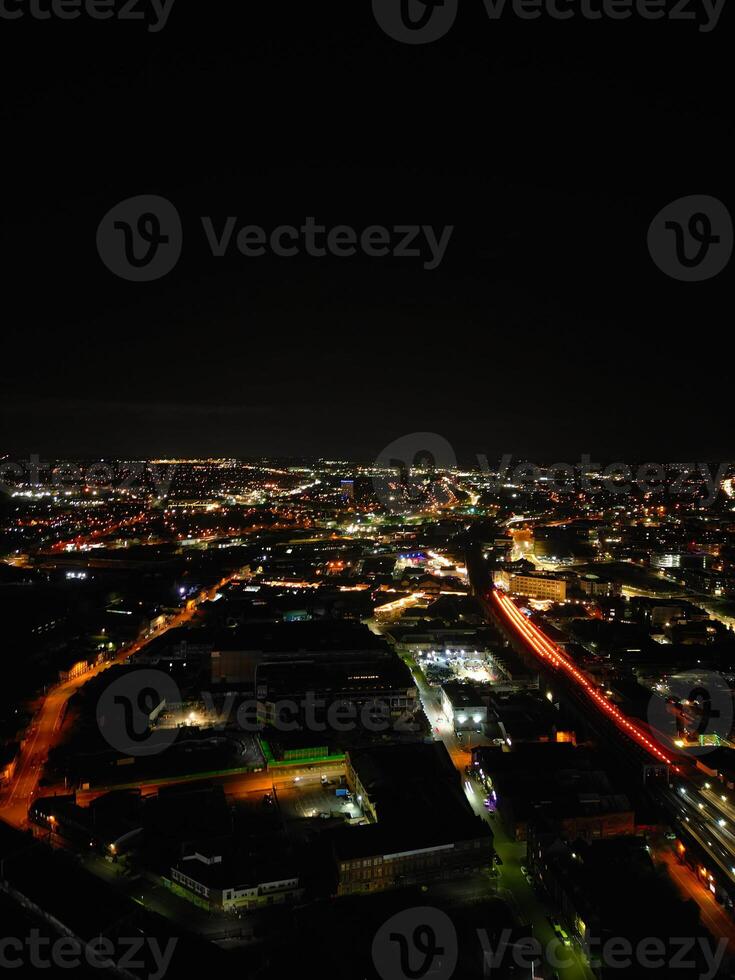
<point>440,666</point>
<point>308,799</point>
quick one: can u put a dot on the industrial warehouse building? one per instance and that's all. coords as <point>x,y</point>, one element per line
<point>392,782</point>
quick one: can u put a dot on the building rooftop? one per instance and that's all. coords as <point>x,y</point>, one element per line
<point>330,635</point>
<point>225,868</point>
<point>525,716</point>
<point>466,694</point>
<point>407,780</point>
<point>614,882</point>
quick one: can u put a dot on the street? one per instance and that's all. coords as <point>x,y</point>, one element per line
<point>511,886</point>
<point>46,724</point>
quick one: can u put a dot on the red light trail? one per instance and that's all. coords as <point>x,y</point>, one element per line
<point>552,654</point>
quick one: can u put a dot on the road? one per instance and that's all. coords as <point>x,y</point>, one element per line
<point>523,898</point>
<point>510,884</point>
<point>701,816</point>
<point>555,659</point>
<point>46,725</point>
<point>707,817</point>
<point>692,887</point>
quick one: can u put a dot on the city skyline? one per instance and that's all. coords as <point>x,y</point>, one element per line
<point>367,490</point>
<point>237,684</point>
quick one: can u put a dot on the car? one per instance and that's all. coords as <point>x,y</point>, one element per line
<point>671,837</point>
<point>497,858</point>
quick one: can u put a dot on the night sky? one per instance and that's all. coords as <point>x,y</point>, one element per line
<point>546,331</point>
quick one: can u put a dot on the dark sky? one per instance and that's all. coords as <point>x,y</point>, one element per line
<point>546,330</point>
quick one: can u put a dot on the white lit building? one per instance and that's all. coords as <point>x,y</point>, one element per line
<point>463,706</point>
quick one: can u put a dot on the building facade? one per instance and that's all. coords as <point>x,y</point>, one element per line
<point>533,586</point>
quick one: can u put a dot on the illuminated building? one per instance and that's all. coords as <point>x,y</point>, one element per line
<point>535,586</point>
<point>348,491</point>
<point>464,705</point>
<point>392,852</point>
<point>230,885</point>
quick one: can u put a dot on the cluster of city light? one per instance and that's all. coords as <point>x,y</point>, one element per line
<point>396,604</point>
<point>548,651</point>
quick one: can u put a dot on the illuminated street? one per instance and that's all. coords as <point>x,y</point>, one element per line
<point>18,796</point>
